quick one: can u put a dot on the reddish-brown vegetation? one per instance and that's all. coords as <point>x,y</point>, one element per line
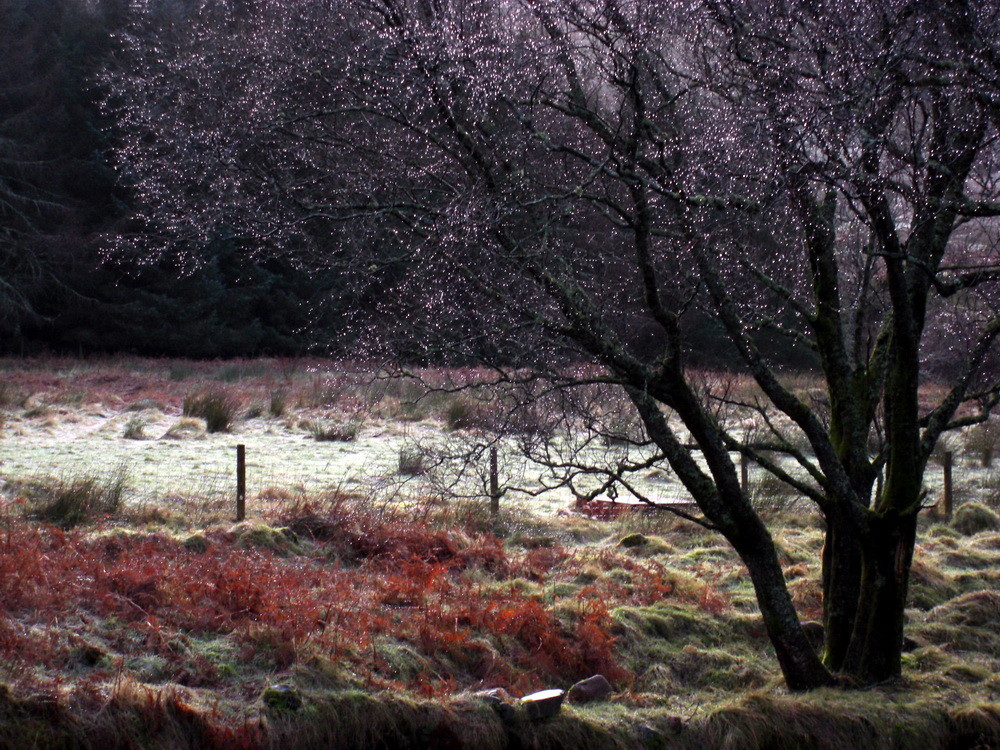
<point>352,578</point>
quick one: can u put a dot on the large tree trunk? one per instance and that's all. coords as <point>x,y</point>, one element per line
<point>841,578</point>
<point>724,503</point>
<point>800,665</point>
<point>876,645</point>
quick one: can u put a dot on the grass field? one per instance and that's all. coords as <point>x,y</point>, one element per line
<point>359,606</point>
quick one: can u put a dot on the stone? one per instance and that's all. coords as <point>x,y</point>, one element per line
<point>500,701</point>
<point>543,704</point>
<point>282,698</point>
<point>596,688</point>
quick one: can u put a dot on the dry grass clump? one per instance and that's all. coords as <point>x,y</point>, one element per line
<point>12,396</point>
<point>930,586</point>
<point>833,721</point>
<point>280,540</point>
<point>464,413</point>
<point>982,440</point>
<point>70,502</point>
<point>217,408</point>
<point>680,647</point>
<point>973,518</point>
<point>412,462</point>
<point>646,545</point>
<point>163,716</point>
<point>185,427</point>
<point>771,497</point>
<point>135,428</point>
<point>335,432</point>
<point>977,609</point>
<point>37,411</point>
<point>277,404</point>
<point>144,404</point>
<point>353,718</point>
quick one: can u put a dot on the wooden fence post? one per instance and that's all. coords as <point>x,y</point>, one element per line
<point>494,482</point>
<point>947,501</point>
<point>241,482</point>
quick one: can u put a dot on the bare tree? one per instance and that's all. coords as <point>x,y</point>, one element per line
<point>574,182</point>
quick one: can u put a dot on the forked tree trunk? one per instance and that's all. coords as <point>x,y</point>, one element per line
<point>726,505</point>
<point>875,651</point>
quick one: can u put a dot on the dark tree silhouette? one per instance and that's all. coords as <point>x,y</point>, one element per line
<point>56,188</point>
<point>576,182</point>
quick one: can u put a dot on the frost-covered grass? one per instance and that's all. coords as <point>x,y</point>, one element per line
<point>143,615</point>
<point>147,612</point>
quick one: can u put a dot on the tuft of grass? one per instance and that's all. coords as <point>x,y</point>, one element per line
<point>929,586</point>
<point>977,609</point>
<point>143,404</point>
<point>982,440</point>
<point>971,518</point>
<point>279,540</point>
<point>135,428</point>
<point>180,371</point>
<point>184,427</point>
<point>217,408</point>
<point>828,721</point>
<point>278,402</point>
<point>411,462</point>
<point>771,497</point>
<point>12,397</point>
<point>633,540</point>
<point>77,500</point>
<point>37,411</point>
<point>237,370</point>
<point>351,718</point>
<point>196,543</point>
<point>335,432</point>
<point>465,414</point>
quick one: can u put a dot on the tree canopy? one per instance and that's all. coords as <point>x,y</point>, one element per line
<point>537,184</point>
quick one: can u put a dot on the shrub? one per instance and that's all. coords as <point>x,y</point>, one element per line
<point>218,409</point>
<point>74,501</point>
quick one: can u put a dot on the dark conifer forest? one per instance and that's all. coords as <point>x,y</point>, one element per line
<point>62,204</point>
